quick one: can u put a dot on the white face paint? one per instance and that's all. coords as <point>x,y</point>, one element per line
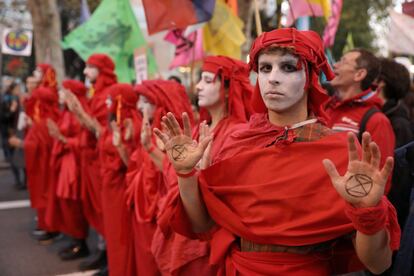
<point>281,83</point>
<point>61,94</point>
<point>38,74</point>
<point>108,102</point>
<point>91,72</point>
<point>208,90</point>
<point>143,105</point>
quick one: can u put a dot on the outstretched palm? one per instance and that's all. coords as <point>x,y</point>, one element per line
<point>364,183</point>
<point>183,152</point>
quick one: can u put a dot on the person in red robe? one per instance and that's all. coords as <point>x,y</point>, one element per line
<point>116,145</point>
<point>64,209</point>
<point>100,72</point>
<point>144,178</point>
<point>45,78</point>
<point>224,93</point>
<point>37,147</point>
<point>273,202</point>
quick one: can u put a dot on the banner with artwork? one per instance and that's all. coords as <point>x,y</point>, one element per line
<point>17,42</point>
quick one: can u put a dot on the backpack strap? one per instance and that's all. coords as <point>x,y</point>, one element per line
<point>364,121</point>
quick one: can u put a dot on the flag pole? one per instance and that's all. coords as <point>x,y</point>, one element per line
<point>192,62</point>
<point>258,21</point>
<point>291,11</point>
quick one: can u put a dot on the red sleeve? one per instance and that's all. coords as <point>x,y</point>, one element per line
<point>174,217</point>
<point>72,142</point>
<point>382,133</point>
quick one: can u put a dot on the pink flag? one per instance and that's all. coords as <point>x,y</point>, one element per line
<point>333,23</point>
<point>300,8</point>
<point>189,47</point>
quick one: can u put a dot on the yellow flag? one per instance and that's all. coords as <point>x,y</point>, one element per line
<point>223,34</point>
<point>349,43</point>
<point>325,5</point>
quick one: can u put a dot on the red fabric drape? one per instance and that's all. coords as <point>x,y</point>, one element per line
<point>64,209</point>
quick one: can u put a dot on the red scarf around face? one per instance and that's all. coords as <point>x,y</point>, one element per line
<point>240,91</point>
<point>167,96</point>
<point>307,45</point>
<point>106,69</point>
<point>49,76</point>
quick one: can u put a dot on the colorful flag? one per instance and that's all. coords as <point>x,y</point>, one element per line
<point>176,14</point>
<point>400,37</point>
<point>113,30</point>
<point>17,42</point>
<point>188,48</point>
<point>349,43</point>
<point>223,34</point>
<point>314,8</point>
<point>333,23</point>
<point>233,6</point>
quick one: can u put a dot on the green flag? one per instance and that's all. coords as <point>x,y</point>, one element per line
<point>349,43</point>
<point>112,29</point>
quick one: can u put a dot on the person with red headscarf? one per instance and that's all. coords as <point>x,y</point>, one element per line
<point>100,72</point>
<point>145,182</point>
<point>116,145</point>
<point>224,93</point>
<point>37,147</point>
<point>64,209</point>
<point>273,202</point>
<point>44,76</point>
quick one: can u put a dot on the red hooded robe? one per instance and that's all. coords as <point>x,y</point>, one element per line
<point>177,254</point>
<point>64,212</point>
<point>145,182</point>
<point>90,163</point>
<point>117,223</point>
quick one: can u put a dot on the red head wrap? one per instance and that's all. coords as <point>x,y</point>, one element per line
<point>240,91</point>
<point>307,45</point>
<point>124,101</point>
<point>167,96</point>
<point>106,69</point>
<point>49,76</point>
<point>75,86</point>
<point>45,104</point>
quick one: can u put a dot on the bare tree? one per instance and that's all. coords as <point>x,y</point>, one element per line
<point>47,33</point>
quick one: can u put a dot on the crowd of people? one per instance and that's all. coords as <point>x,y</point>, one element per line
<point>276,178</point>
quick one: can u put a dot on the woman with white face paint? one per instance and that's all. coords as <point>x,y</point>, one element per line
<point>145,184</point>
<point>273,203</point>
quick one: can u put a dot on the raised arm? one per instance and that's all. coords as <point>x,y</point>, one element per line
<point>362,187</point>
<point>184,154</point>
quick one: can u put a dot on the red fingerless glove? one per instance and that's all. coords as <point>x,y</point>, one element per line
<point>371,220</point>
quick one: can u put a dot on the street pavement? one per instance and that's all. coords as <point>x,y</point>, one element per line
<point>20,254</point>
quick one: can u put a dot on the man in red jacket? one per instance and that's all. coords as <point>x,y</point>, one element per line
<point>354,75</point>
